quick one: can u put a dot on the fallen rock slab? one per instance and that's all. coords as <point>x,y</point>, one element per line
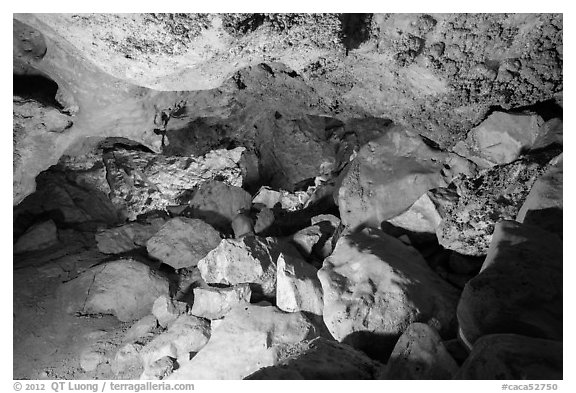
<point>518,289</point>
<point>324,359</point>
<point>249,338</point>
<point>297,286</point>
<point>214,303</point>
<point>513,357</point>
<point>420,354</point>
<point>182,242</point>
<point>375,287</point>
<point>124,288</point>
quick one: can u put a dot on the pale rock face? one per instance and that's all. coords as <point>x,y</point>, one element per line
<point>167,310</point>
<point>513,357</point>
<point>249,338</point>
<point>390,173</point>
<point>124,288</point>
<point>37,237</point>
<point>141,328</point>
<point>214,303</point>
<point>518,289</point>
<point>127,358</point>
<point>322,359</point>
<point>286,200</point>
<point>297,286</point>
<point>250,259</point>
<point>420,354</point>
<point>501,138</point>
<point>375,287</point>
<point>182,242</point>
<point>421,217</point>
<point>187,335</point>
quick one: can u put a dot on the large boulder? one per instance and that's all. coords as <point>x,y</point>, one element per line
<point>375,287</point>
<point>518,289</point>
<point>127,237</point>
<point>420,354</point>
<point>543,206</point>
<point>501,138</point>
<point>250,259</point>
<point>324,359</point>
<point>249,338</point>
<point>513,357</point>
<point>217,203</point>
<point>124,288</point>
<point>182,242</point>
<point>215,303</point>
<point>497,194</point>
<point>390,173</point>
<point>297,286</point>
<point>37,237</point>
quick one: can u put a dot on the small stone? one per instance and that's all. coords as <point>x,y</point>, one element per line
<point>141,328</point>
<point>214,303</point>
<point>167,310</point>
<point>242,225</point>
<point>37,237</point>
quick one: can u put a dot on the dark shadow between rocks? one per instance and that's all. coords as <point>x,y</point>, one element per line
<point>377,346</point>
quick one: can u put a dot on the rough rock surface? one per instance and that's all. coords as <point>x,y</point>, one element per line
<point>124,288</point>
<point>501,138</point>
<point>420,354</point>
<point>250,259</point>
<point>249,338</point>
<point>142,181</point>
<point>519,288</point>
<point>37,237</point>
<point>186,335</point>
<point>543,206</point>
<point>214,303</point>
<point>127,358</point>
<point>322,359</point>
<point>513,357</point>
<point>375,287</point>
<point>497,194</point>
<point>181,242</point>
<point>141,328</point>
<point>167,310</point>
<point>218,203</point>
<point>284,199</point>
<point>297,286</point>
<point>127,237</point>
<point>390,174</point>
<point>421,217</point>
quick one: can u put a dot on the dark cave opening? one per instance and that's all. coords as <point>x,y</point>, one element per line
<point>36,87</point>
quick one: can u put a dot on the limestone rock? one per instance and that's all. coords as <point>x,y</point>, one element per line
<point>217,203</point>
<point>141,328</point>
<point>518,289</point>
<point>297,286</point>
<point>421,217</point>
<point>543,206</point>
<point>186,335</point>
<point>498,194</point>
<point>250,259</point>
<point>501,138</point>
<point>375,287</point>
<point>315,240</point>
<point>389,174</point>
<point>215,303</point>
<point>513,357</point>
<point>420,354</point>
<point>159,369</point>
<point>249,338</point>
<point>127,237</point>
<point>283,199</point>
<point>323,359</point>
<point>37,237</point>
<point>124,288</point>
<point>142,181</point>
<point>182,242</point>
<point>167,310</point>
<point>91,358</point>
<point>127,359</point>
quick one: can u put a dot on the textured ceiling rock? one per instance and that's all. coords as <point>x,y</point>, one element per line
<point>128,75</point>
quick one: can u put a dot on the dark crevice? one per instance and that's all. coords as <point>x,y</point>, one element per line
<point>548,109</point>
<point>355,29</point>
<point>37,87</point>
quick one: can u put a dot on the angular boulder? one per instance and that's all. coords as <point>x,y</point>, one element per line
<point>37,237</point>
<point>420,354</point>
<point>214,303</point>
<point>375,287</point>
<point>297,286</point>
<point>389,174</point>
<point>513,357</point>
<point>249,338</point>
<point>518,289</point>
<point>127,237</point>
<point>420,218</point>
<point>124,288</point>
<point>182,242</point>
